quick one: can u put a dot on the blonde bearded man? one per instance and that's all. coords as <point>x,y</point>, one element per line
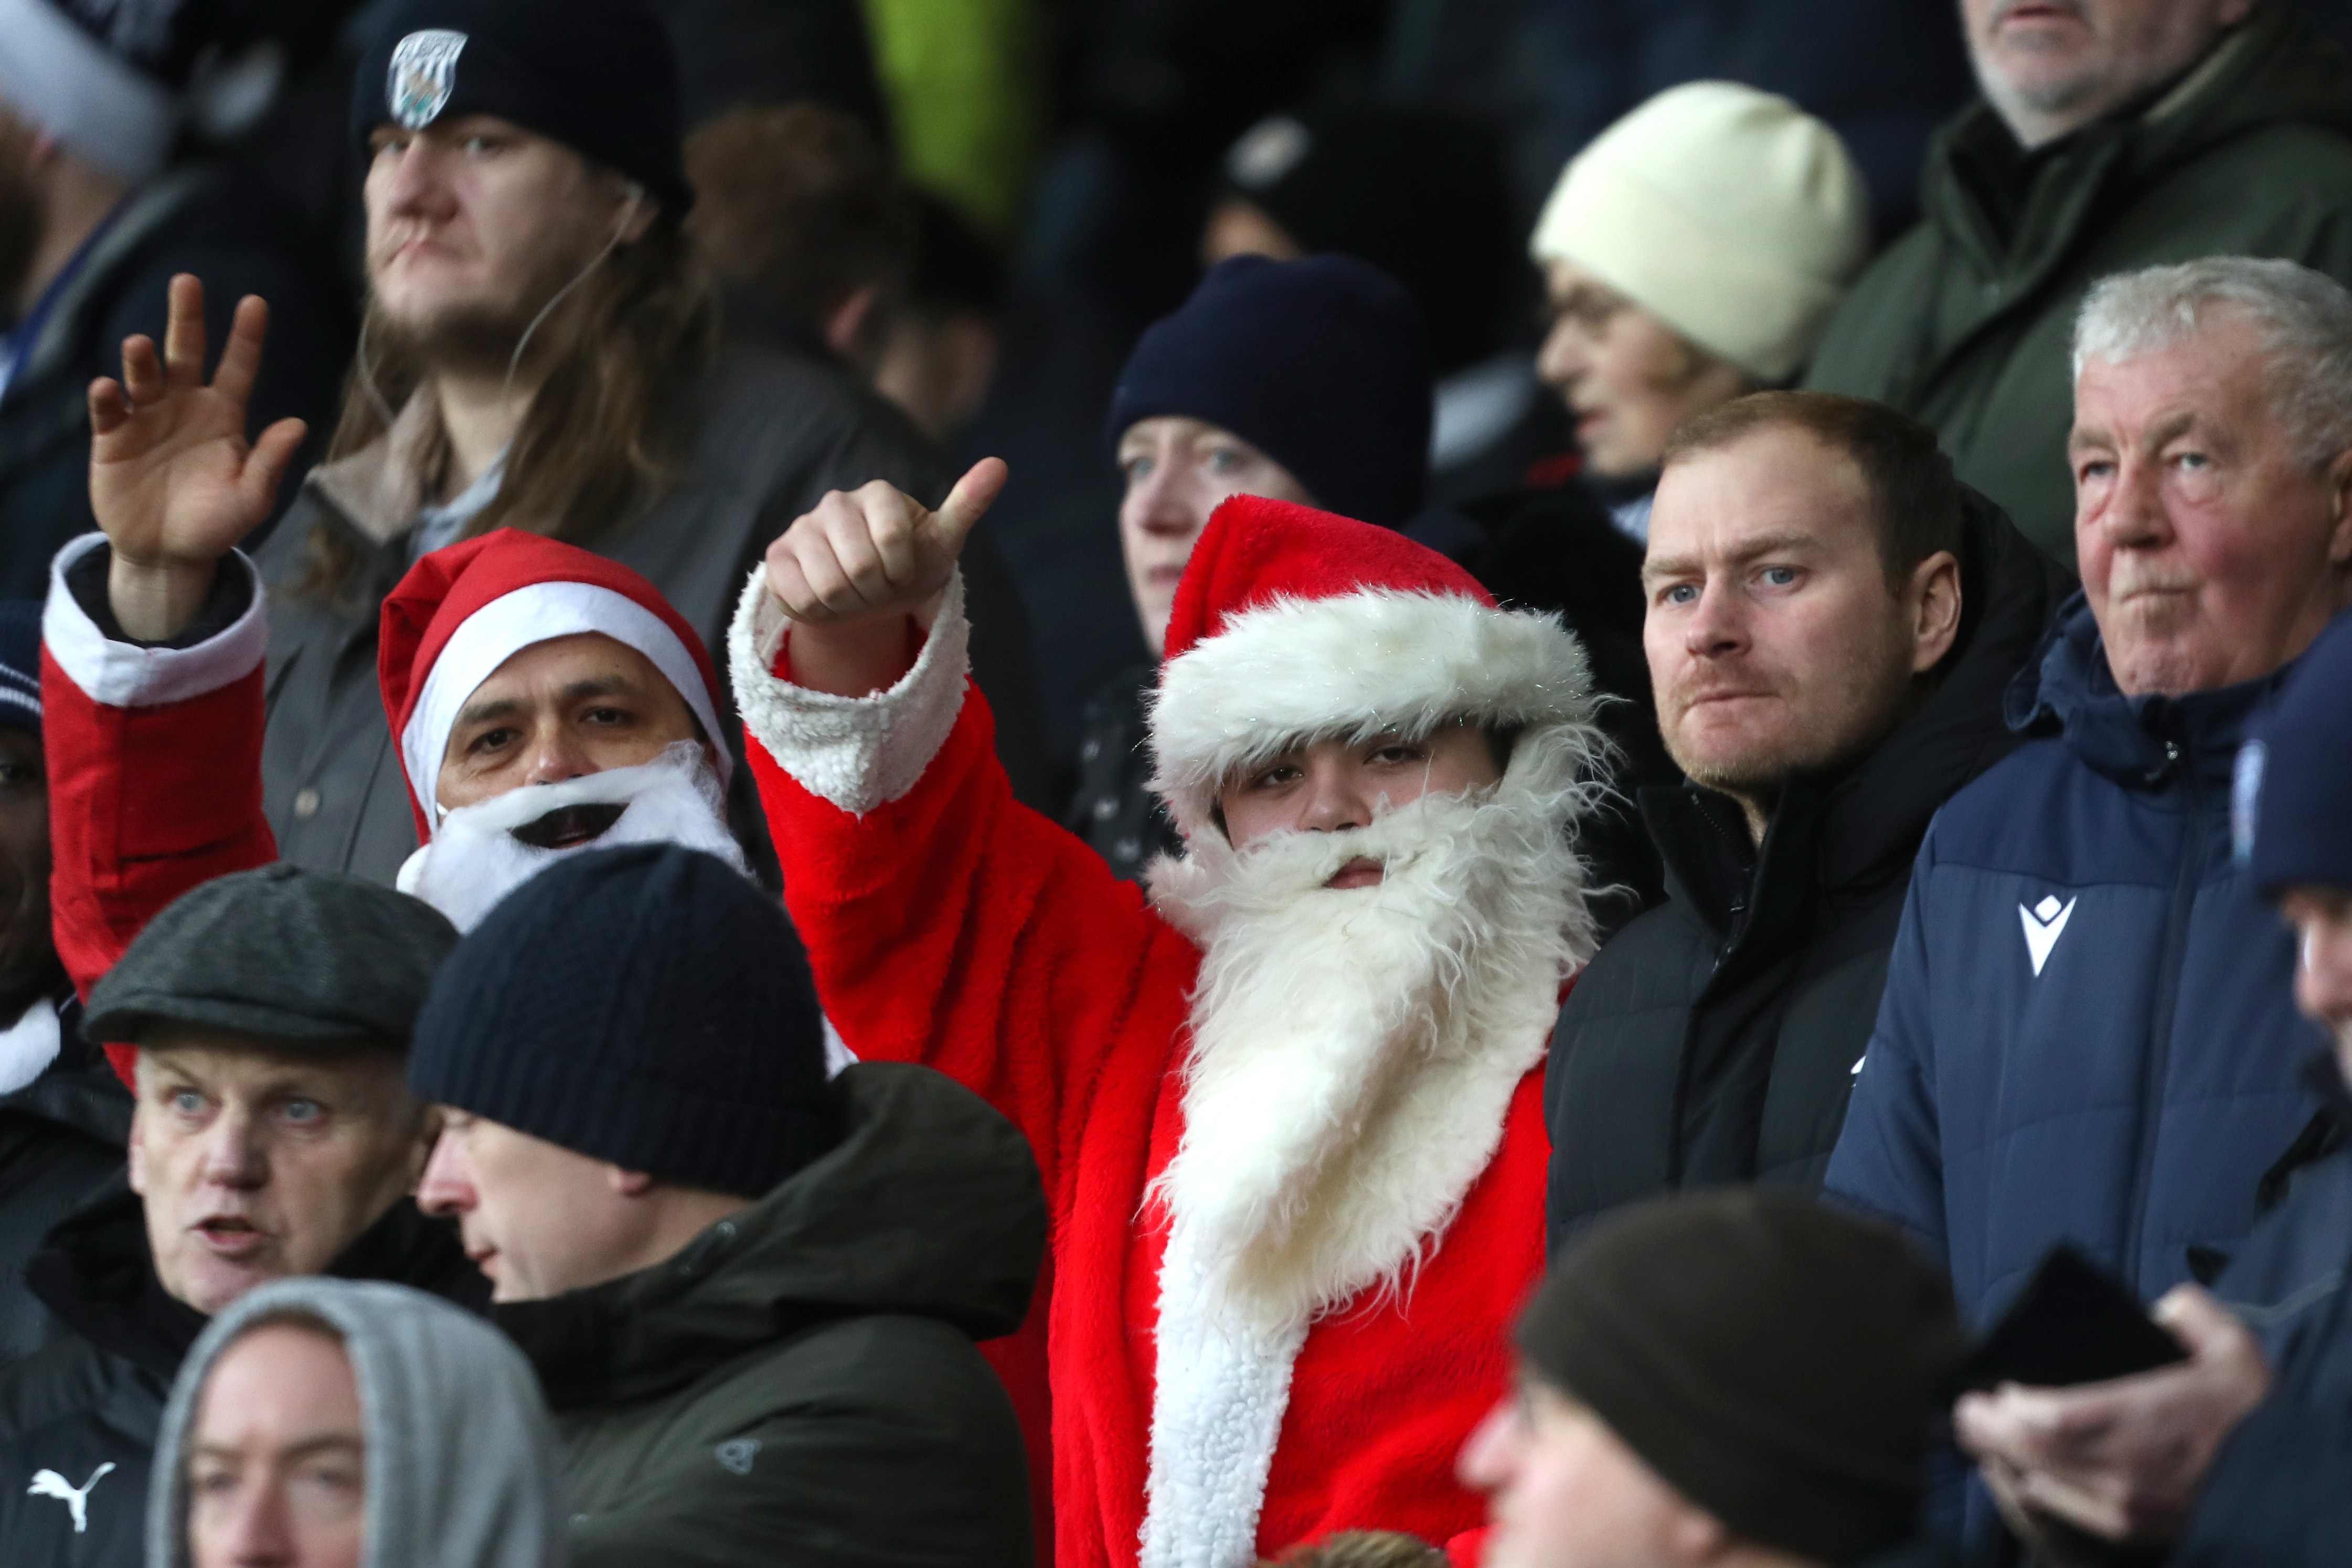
<point>1286,1101</point>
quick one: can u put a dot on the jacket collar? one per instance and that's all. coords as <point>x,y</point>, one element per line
<point>380,488</point>
<point>96,1272</point>
<point>929,1206</point>
<point>2274,68</point>
<point>2143,742</point>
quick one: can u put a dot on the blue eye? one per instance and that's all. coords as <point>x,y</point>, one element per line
<point>1680,593</point>
<point>1780,576</point>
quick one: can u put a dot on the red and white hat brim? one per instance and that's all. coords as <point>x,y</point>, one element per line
<point>1352,666</point>
<point>530,615</point>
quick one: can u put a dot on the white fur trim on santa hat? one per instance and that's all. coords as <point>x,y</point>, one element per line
<point>67,83</point>
<point>531,615</point>
<point>124,674</point>
<point>1353,665</point>
<point>856,752</point>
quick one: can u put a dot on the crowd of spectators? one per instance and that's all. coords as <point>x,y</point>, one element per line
<point>1362,784</point>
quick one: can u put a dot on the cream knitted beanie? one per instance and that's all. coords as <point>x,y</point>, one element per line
<point>1730,213</point>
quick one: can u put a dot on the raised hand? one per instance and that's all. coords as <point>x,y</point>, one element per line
<point>851,573</point>
<point>172,479</point>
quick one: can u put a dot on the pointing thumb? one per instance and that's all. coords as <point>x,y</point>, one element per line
<point>970,500</point>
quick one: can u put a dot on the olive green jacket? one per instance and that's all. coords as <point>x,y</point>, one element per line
<point>1967,321</point>
<point>799,1385</point>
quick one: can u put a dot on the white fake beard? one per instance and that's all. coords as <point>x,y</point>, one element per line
<point>474,859</point>
<point>1355,1051</point>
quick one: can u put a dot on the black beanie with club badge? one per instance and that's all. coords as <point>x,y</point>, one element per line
<point>598,76</point>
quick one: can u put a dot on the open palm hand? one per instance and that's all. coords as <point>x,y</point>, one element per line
<point>173,480</point>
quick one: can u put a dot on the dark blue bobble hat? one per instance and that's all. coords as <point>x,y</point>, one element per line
<point>20,666</point>
<point>648,1005</point>
<point>1321,364</point>
<point>2294,813</point>
<point>599,76</point>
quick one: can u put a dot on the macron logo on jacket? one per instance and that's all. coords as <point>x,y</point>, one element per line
<point>2044,924</point>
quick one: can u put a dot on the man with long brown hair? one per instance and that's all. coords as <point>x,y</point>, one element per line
<point>539,351</point>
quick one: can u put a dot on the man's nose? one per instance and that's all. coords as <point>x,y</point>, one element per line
<point>1717,626</point>
<point>419,186</point>
<point>1484,1463</point>
<point>556,755</point>
<point>2323,977</point>
<point>259,1534</point>
<point>2132,514</point>
<point>447,1187</point>
<point>233,1152</point>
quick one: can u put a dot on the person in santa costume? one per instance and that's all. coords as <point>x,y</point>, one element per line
<point>1286,1101</point>
<point>509,660</point>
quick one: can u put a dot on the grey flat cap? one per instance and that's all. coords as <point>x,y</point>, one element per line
<point>284,955</point>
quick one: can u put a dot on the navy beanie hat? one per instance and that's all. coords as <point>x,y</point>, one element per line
<point>20,664</point>
<point>599,76</point>
<point>648,1005</point>
<point>2293,824</point>
<point>1321,364</point>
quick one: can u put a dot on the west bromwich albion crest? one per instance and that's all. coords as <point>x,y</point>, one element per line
<point>424,72</point>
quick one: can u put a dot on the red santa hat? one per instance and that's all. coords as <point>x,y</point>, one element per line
<point>1293,625</point>
<point>463,612</point>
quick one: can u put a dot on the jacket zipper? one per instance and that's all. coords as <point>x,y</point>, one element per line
<point>2159,1057</point>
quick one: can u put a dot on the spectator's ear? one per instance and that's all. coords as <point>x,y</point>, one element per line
<point>628,1184</point>
<point>1933,605</point>
<point>849,329</point>
<point>2340,492</point>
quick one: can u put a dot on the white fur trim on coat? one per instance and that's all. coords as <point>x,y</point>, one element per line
<point>1299,669</point>
<point>1223,1387</point>
<point>856,752</point>
<point>124,674</point>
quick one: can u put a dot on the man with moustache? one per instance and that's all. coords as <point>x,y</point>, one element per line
<point>2088,1033</point>
<point>538,353</point>
<point>1285,1100</point>
<point>1832,620</point>
<point>94,219</point>
<point>268,1016</point>
<point>505,661</point>
<point>2111,134</point>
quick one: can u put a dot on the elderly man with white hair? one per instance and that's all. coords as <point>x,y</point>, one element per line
<point>2088,1032</point>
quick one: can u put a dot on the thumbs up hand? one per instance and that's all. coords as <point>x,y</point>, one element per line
<point>849,572</point>
<point>875,551</point>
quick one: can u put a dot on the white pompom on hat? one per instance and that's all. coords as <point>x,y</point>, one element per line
<point>1730,213</point>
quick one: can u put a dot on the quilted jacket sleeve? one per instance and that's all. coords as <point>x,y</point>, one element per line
<point>1889,1159</point>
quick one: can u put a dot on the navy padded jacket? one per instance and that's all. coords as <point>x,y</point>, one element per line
<point>2088,1032</point>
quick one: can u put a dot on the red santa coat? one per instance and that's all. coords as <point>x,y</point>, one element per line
<point>951,926</point>
<point>154,766</point>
